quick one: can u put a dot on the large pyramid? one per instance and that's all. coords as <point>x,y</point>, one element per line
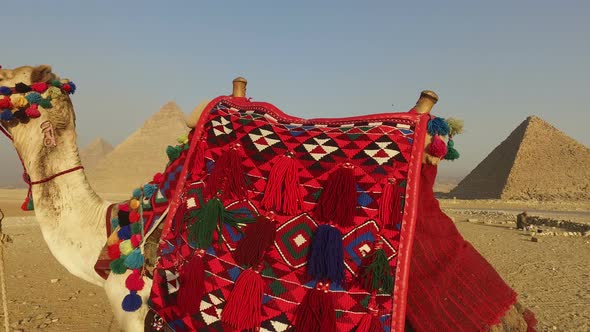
<point>536,161</point>
<point>143,154</point>
<point>93,153</point>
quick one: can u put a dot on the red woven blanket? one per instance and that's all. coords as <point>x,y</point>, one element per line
<point>279,222</point>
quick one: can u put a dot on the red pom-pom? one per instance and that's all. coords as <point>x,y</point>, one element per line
<point>438,148</point>
<point>114,251</point>
<point>33,111</point>
<point>133,216</point>
<point>66,87</point>
<point>136,240</point>
<point>134,281</point>
<point>158,178</point>
<point>124,207</point>
<point>39,87</point>
<point>5,103</point>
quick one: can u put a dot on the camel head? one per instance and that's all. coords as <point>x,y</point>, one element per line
<point>36,111</point>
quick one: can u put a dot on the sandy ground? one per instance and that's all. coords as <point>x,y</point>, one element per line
<point>552,276</point>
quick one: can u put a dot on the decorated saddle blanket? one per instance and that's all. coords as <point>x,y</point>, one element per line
<point>279,223</point>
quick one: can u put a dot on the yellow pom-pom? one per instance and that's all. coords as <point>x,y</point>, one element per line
<point>183,139</point>
<point>134,204</point>
<point>113,238</point>
<point>19,101</point>
<point>126,247</point>
<point>53,92</point>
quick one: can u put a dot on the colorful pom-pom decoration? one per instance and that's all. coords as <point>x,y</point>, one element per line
<point>39,87</point>
<point>19,101</point>
<point>6,91</point>
<point>5,102</point>
<point>149,190</point>
<point>131,302</point>
<point>6,115</point>
<point>33,111</point>
<point>438,126</point>
<point>34,98</point>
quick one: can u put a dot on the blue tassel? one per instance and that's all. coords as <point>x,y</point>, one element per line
<point>73,86</point>
<point>134,260</point>
<point>34,98</point>
<point>438,126</point>
<point>6,115</point>
<point>124,233</point>
<point>4,90</point>
<point>114,223</point>
<point>326,259</point>
<point>149,190</point>
<point>131,302</point>
<point>137,193</point>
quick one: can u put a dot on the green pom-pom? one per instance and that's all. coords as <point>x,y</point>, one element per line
<point>377,276</point>
<point>455,125</point>
<point>45,103</point>
<point>136,228</point>
<point>173,152</point>
<point>137,193</point>
<point>452,153</point>
<point>114,223</point>
<point>56,83</point>
<point>118,265</point>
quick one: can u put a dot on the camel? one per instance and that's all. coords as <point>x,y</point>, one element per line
<point>70,214</point>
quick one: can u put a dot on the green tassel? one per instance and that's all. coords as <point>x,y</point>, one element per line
<point>118,265</point>
<point>173,152</point>
<point>455,125</point>
<point>30,206</point>
<point>205,221</point>
<point>452,153</point>
<point>377,275</point>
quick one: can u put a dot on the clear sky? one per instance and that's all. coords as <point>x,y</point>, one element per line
<point>492,64</point>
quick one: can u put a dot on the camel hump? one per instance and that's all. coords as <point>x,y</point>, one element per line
<point>193,118</point>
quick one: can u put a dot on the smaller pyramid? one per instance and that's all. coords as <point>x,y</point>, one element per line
<point>94,152</point>
<point>537,161</point>
<point>143,154</point>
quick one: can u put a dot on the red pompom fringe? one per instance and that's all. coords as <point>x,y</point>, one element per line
<point>133,216</point>
<point>282,191</point>
<point>113,251</point>
<point>258,237</point>
<point>5,103</point>
<point>134,281</point>
<point>192,284</point>
<point>316,312</point>
<point>369,323</point>
<point>135,240</point>
<point>243,309</point>
<point>33,111</point>
<point>158,178</point>
<point>39,87</point>
<point>438,147</point>
<point>338,201</point>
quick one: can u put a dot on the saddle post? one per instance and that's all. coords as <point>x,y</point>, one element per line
<point>426,101</point>
<point>239,87</point>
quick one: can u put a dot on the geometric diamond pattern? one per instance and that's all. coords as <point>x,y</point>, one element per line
<point>360,241</point>
<point>293,239</point>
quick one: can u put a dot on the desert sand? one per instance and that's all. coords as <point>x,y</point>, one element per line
<point>551,276</point>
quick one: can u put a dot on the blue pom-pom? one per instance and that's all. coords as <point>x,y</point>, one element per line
<point>114,223</point>
<point>134,260</point>
<point>438,126</point>
<point>326,258</point>
<point>34,98</point>
<point>149,190</point>
<point>137,193</point>
<point>131,302</point>
<point>4,90</point>
<point>73,86</point>
<point>124,233</point>
<point>6,115</point>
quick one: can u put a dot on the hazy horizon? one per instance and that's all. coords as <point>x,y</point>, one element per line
<point>492,64</point>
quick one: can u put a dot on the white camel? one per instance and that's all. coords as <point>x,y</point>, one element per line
<point>71,215</point>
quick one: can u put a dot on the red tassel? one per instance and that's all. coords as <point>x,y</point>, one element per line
<point>243,309</point>
<point>113,251</point>
<point>316,312</point>
<point>198,160</point>
<point>390,204</point>
<point>437,148</point>
<point>192,284</point>
<point>282,191</point>
<point>258,237</point>
<point>134,281</point>
<point>369,323</point>
<point>228,176</point>
<point>338,200</point>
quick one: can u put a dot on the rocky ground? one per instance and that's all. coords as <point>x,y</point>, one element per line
<point>552,275</point>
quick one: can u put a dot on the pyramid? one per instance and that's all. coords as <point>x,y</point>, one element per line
<point>537,161</point>
<point>143,154</point>
<point>94,152</point>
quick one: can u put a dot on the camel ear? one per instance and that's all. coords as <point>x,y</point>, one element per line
<point>193,118</point>
<point>42,73</point>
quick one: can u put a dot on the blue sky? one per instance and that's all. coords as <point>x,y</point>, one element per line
<point>492,64</point>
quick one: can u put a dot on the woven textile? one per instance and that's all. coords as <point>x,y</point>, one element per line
<point>378,148</point>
